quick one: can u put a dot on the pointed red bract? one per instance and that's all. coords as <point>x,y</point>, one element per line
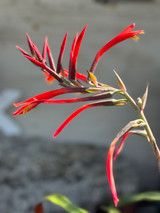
<point>34,50</point>
<point>50,58</point>
<point>75,53</point>
<point>71,74</point>
<point>125,34</point>
<point>22,51</point>
<point>30,43</point>
<point>44,53</point>
<point>59,63</point>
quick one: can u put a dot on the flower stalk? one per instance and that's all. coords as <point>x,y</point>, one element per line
<point>141,115</point>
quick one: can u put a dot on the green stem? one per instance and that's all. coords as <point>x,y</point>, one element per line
<point>147,127</point>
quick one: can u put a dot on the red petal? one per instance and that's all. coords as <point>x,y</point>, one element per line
<point>119,148</point>
<point>59,63</point>
<point>49,78</point>
<point>74,114</point>
<point>125,34</point>
<point>109,169</point>
<point>51,94</point>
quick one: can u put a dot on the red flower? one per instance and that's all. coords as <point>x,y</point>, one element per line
<point>71,81</point>
<point>125,34</point>
<point>109,166</point>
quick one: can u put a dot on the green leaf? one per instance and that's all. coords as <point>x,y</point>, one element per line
<point>124,201</point>
<point>110,209</point>
<point>65,203</point>
<point>145,196</point>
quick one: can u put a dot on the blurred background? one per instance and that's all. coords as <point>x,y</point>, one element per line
<point>32,164</point>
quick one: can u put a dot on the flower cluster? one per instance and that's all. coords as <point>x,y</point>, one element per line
<point>72,81</point>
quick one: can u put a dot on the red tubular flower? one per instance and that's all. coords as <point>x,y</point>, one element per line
<point>111,102</point>
<point>125,34</point>
<point>51,94</point>
<point>109,168</point>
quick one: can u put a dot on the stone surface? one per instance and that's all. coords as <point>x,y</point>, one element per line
<point>33,168</point>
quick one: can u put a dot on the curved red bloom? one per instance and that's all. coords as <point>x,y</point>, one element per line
<point>125,34</point>
<point>112,154</point>
<point>109,168</point>
<point>110,102</point>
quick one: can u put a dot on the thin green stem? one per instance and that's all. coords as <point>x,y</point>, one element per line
<point>147,127</point>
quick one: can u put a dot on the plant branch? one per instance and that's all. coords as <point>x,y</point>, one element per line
<point>147,127</point>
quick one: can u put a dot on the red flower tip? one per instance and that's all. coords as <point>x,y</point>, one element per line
<point>125,34</point>
<point>26,108</point>
<point>44,52</point>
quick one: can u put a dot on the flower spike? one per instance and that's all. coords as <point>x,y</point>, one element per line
<point>72,81</point>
